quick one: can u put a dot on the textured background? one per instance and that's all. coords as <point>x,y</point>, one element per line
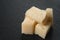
<point>12,14</point>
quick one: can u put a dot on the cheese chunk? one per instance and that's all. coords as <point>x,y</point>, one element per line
<point>41,30</point>
<point>49,12</point>
<point>49,16</point>
<point>36,14</point>
<point>28,26</point>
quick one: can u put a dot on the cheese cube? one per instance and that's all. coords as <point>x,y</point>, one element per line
<point>36,14</point>
<point>49,12</point>
<point>41,30</point>
<point>49,16</point>
<point>28,26</point>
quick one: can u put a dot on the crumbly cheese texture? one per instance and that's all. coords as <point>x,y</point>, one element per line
<point>28,26</point>
<point>49,12</point>
<point>41,30</point>
<point>36,14</point>
<point>37,21</point>
<point>49,17</point>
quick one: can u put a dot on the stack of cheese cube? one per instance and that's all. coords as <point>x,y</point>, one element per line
<point>37,21</point>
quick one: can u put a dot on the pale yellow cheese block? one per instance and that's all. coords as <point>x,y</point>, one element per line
<point>28,26</point>
<point>50,13</point>
<point>49,17</point>
<point>41,30</point>
<point>36,14</point>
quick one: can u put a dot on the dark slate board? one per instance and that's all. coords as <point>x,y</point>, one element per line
<point>12,14</point>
